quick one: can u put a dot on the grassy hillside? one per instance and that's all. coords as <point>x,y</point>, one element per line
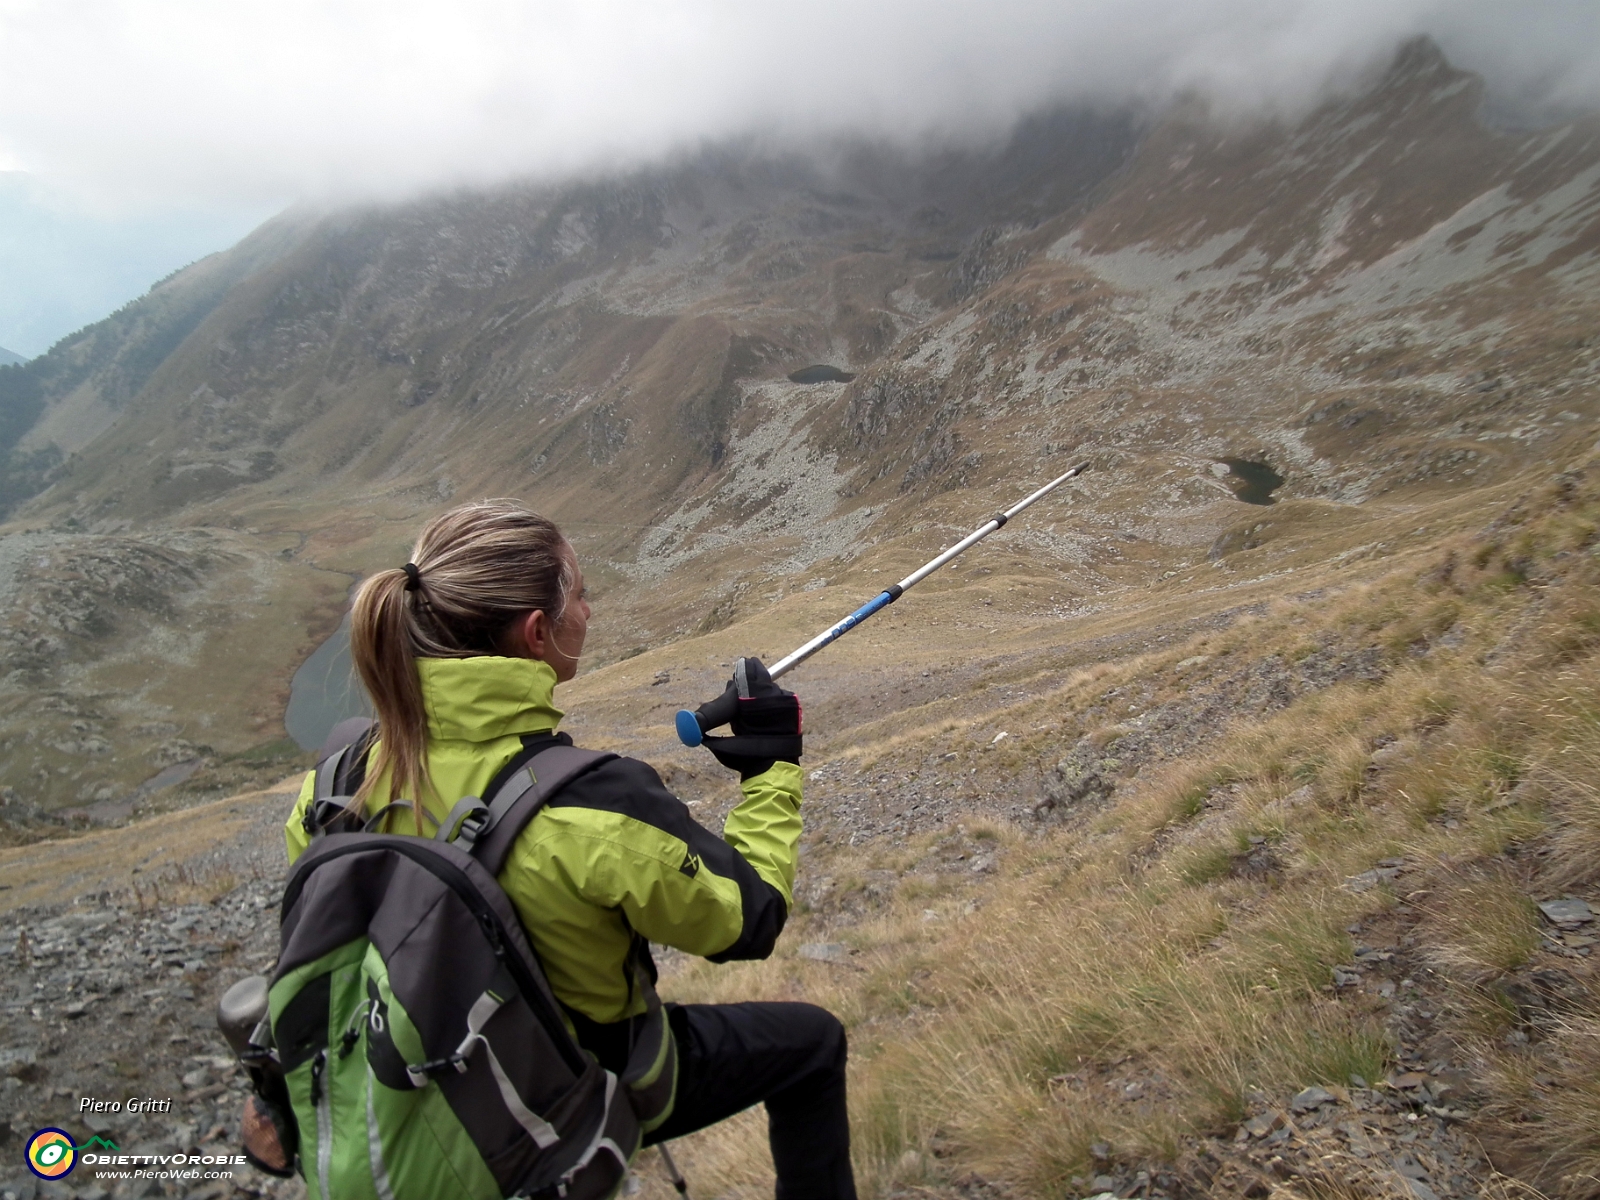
<point>1102,892</point>
<point>1340,892</point>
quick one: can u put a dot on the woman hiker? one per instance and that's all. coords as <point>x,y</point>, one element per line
<point>460,651</point>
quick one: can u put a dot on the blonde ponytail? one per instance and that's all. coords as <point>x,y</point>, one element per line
<point>473,571</point>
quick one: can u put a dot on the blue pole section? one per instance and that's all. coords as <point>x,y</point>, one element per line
<point>691,732</point>
<point>880,601</point>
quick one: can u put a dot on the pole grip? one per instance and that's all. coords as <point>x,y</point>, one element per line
<point>693,725</point>
<point>689,731</point>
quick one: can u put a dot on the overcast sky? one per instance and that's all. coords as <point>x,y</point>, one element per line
<point>199,117</point>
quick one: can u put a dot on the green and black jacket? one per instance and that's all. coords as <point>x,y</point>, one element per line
<point>614,857</point>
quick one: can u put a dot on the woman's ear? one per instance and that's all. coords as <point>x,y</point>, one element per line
<point>533,631</point>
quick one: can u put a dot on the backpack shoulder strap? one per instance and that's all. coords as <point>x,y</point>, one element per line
<point>341,768</point>
<point>520,796</point>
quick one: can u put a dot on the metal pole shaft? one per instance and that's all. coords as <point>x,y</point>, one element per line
<point>894,592</point>
<point>692,726</point>
<point>679,1183</point>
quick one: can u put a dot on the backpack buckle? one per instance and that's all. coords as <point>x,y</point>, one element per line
<point>330,816</point>
<point>466,822</point>
<point>474,825</point>
<point>421,1074</point>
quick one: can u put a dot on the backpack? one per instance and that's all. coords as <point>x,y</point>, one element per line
<point>422,1051</point>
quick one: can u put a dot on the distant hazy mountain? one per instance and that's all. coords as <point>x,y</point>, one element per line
<point>63,266</point>
<point>9,358</point>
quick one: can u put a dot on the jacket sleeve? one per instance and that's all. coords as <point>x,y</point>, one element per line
<point>294,833</point>
<point>626,842</point>
<point>765,827</point>
<point>764,833</point>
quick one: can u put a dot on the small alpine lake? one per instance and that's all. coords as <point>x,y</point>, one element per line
<point>324,691</point>
<point>1252,482</point>
<point>821,373</point>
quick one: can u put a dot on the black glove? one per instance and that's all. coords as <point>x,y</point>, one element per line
<point>765,720</point>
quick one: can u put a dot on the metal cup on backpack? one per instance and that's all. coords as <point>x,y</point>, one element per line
<point>265,1127</point>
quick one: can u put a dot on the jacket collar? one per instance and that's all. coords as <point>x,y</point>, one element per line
<point>487,697</point>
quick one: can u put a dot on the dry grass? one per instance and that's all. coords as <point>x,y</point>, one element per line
<point>1132,979</point>
<point>182,884</point>
<point>1570,781</point>
<point>1482,926</point>
<point>1570,1112</point>
<point>1084,975</point>
<point>1505,1187</point>
<point>1546,1112</point>
<point>165,863</point>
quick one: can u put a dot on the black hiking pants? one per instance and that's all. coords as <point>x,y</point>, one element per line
<point>792,1056</point>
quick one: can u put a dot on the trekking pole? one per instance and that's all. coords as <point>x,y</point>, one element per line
<point>692,726</point>
<point>678,1181</point>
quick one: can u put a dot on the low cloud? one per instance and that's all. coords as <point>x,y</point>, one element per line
<point>255,102</point>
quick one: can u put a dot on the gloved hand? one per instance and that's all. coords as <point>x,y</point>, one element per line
<point>765,720</point>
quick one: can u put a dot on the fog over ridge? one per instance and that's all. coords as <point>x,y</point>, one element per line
<point>269,101</point>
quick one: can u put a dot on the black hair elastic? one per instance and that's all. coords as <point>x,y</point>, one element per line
<point>413,577</point>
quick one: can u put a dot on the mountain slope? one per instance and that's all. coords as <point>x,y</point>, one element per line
<point>1342,301</point>
<point>471,321</point>
<point>58,403</point>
